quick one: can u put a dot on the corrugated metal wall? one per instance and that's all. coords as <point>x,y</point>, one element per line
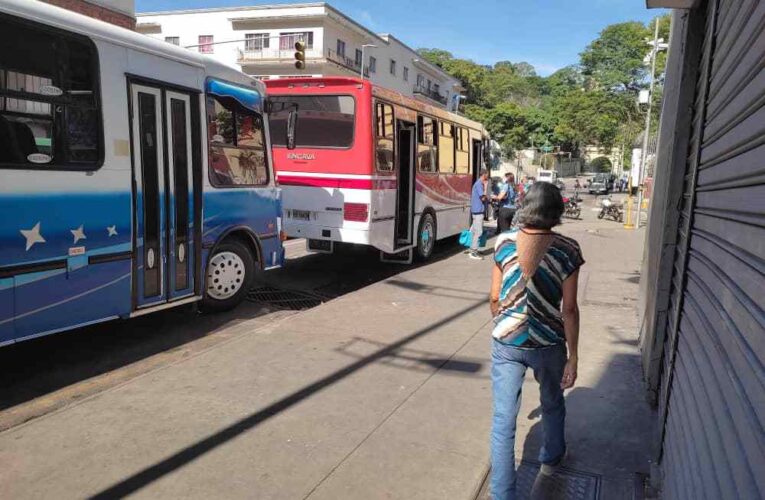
<point>712,398</point>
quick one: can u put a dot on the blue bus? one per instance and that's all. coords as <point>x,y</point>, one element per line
<point>134,175</point>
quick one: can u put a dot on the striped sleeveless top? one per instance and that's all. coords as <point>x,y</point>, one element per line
<point>529,309</point>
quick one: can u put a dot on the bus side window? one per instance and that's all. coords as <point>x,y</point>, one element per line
<point>49,103</point>
<point>426,144</point>
<point>446,149</point>
<point>463,151</point>
<point>237,144</point>
<point>384,130</point>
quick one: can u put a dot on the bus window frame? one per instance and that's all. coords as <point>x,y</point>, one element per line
<point>436,133</point>
<point>454,146</point>
<point>337,148</point>
<point>375,137</point>
<point>53,101</point>
<point>208,143</point>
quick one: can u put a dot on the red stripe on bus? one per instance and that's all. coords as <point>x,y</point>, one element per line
<point>337,182</point>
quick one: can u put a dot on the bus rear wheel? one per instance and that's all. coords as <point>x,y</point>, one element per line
<point>426,236</point>
<point>230,275</point>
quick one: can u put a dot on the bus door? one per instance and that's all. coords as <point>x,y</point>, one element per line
<point>165,226</point>
<point>405,185</point>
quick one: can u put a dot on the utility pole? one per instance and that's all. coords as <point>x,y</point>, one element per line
<point>644,155</point>
<point>362,56</point>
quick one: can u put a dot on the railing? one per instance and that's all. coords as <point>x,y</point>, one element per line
<point>248,55</point>
<point>284,49</point>
<point>430,93</point>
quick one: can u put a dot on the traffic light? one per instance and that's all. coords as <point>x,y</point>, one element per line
<point>300,54</point>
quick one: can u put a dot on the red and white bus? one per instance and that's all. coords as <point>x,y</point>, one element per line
<point>361,164</point>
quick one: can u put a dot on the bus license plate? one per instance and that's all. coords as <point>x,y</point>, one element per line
<point>301,214</point>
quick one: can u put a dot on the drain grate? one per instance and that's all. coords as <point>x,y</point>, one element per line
<point>293,300</point>
<point>564,484</point>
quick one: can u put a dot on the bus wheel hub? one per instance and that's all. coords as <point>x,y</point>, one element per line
<point>225,275</point>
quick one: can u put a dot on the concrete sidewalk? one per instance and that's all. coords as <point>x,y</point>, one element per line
<point>381,393</point>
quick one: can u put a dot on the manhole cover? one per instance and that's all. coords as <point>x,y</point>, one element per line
<point>565,484</point>
<point>293,300</point>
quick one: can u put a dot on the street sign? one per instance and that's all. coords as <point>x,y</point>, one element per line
<point>547,149</point>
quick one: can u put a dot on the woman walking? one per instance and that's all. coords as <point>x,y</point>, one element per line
<point>534,304</point>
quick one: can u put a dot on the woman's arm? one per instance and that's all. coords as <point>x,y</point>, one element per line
<point>571,328</point>
<point>496,286</point>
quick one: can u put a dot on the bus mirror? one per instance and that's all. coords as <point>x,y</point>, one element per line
<point>291,126</point>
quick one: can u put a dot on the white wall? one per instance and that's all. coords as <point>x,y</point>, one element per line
<point>326,25</point>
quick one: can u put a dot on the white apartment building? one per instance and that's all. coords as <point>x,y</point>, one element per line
<point>260,40</point>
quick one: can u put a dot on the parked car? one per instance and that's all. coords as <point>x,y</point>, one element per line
<point>599,184</point>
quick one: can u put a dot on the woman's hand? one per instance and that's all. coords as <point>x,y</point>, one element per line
<point>569,374</point>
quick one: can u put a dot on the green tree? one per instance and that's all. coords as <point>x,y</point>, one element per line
<point>614,61</point>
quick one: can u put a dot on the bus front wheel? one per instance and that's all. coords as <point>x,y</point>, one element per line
<point>230,275</point>
<point>426,236</point>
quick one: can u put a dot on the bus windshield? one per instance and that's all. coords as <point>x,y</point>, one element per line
<point>324,121</point>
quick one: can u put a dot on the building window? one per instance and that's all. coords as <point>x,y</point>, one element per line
<point>420,81</point>
<point>49,103</point>
<point>406,74</point>
<point>341,48</point>
<point>237,145</point>
<point>359,55</point>
<point>174,40</point>
<point>384,131</point>
<point>287,40</point>
<point>206,44</point>
<point>429,84</point>
<point>393,67</point>
<point>436,88</point>
<point>372,64</point>
<point>256,41</point>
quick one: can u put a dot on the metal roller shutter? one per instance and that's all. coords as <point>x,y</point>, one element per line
<point>712,399</point>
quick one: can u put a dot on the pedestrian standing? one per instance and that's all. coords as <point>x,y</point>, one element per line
<point>506,198</point>
<point>534,303</point>
<point>478,201</point>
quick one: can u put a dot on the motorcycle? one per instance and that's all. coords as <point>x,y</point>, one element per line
<point>571,208</point>
<point>609,208</point>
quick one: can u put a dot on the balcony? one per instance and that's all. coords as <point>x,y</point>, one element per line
<point>252,54</point>
<point>430,94</point>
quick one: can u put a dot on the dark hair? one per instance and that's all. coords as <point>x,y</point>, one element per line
<point>542,206</point>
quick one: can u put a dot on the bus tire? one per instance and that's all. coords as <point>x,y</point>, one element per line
<point>229,276</point>
<point>426,236</point>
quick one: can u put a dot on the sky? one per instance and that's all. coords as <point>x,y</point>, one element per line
<point>549,34</point>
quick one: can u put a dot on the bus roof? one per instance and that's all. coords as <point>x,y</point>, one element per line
<point>377,91</point>
<point>108,33</point>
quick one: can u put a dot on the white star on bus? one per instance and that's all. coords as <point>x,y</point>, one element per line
<point>32,236</point>
<point>78,234</point>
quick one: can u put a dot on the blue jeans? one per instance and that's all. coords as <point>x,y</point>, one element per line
<point>508,367</point>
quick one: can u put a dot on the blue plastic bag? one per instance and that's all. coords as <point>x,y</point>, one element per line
<point>466,238</point>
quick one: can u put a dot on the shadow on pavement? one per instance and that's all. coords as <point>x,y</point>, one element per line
<point>37,367</point>
<point>152,473</point>
<point>604,433</point>
<point>412,359</point>
<point>40,367</point>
